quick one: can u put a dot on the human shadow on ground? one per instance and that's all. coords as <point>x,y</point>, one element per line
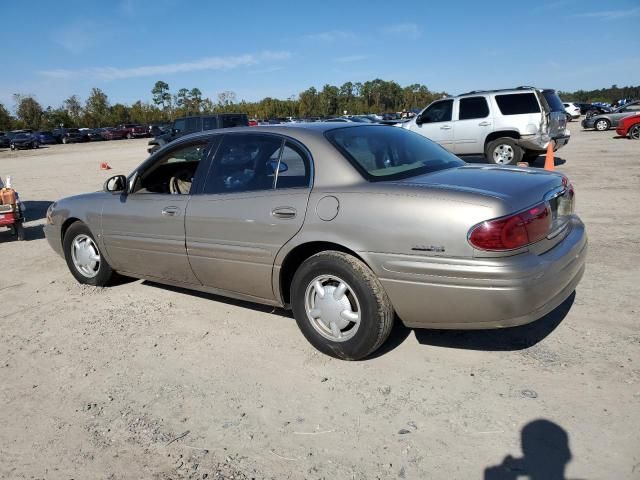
<point>545,455</point>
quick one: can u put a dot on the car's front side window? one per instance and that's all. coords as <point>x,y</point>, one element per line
<point>438,112</point>
<point>172,173</point>
<point>244,163</point>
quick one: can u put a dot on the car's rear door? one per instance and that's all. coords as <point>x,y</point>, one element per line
<point>143,231</point>
<point>246,211</point>
<point>473,124</point>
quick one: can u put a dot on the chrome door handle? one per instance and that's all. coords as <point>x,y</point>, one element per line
<point>484,124</point>
<point>284,212</point>
<point>445,127</point>
<point>170,211</point>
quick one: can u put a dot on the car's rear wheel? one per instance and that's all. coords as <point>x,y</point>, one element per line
<point>129,136</point>
<point>569,117</point>
<point>84,259</point>
<point>634,132</point>
<point>18,231</point>
<point>503,151</point>
<point>64,140</point>
<point>340,305</point>
<point>602,125</point>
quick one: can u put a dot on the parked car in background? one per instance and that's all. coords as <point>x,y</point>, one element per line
<point>95,134</point>
<point>45,137</point>
<point>573,111</point>
<point>112,133</point>
<point>629,127</point>
<point>605,121</point>
<point>597,109</point>
<point>23,141</point>
<point>69,135</point>
<point>158,129</point>
<point>183,126</point>
<point>299,217</point>
<point>503,125</point>
<point>133,130</point>
<point>5,141</point>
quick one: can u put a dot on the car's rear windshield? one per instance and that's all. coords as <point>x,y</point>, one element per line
<point>387,153</point>
<point>553,100</point>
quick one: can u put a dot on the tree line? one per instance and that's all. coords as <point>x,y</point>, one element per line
<point>606,95</point>
<point>375,96</point>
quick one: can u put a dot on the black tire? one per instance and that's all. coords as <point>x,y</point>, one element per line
<point>104,273</point>
<point>602,125</point>
<point>634,132</point>
<point>376,312</point>
<point>129,136</point>
<point>154,149</point>
<point>591,113</point>
<point>64,140</point>
<point>569,118</point>
<point>506,144</point>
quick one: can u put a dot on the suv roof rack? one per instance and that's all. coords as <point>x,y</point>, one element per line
<point>473,92</point>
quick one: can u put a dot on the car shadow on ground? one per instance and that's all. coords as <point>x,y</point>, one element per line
<point>219,298</point>
<point>502,339</point>
<point>35,210</point>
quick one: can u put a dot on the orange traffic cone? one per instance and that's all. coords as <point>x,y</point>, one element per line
<point>549,162</point>
<point>105,166</point>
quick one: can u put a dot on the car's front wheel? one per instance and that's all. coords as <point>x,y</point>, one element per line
<point>340,305</point>
<point>503,151</point>
<point>602,125</point>
<point>84,259</point>
<point>634,132</point>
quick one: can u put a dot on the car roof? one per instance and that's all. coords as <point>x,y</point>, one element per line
<point>521,89</point>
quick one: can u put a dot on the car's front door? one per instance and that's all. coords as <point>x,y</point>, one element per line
<point>435,123</point>
<point>143,230</point>
<point>253,201</point>
<point>472,126</point>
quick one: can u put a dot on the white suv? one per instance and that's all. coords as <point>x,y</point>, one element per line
<point>505,126</point>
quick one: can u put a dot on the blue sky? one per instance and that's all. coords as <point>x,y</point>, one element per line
<point>278,48</point>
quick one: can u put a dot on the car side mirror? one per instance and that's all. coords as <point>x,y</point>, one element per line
<point>116,184</point>
<point>419,120</point>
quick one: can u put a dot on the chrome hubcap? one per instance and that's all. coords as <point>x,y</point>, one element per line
<point>85,256</point>
<point>601,125</point>
<point>503,153</point>
<point>332,308</point>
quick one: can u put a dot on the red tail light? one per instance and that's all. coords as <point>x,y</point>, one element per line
<point>515,231</point>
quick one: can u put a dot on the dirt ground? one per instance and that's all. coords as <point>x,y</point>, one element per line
<point>144,381</point>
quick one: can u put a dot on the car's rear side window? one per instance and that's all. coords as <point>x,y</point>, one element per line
<point>518,103</point>
<point>294,170</point>
<point>473,107</point>
<point>387,153</point>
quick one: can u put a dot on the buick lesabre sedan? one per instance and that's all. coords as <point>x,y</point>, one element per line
<point>349,225</point>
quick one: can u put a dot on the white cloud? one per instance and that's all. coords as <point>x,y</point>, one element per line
<point>207,63</point>
<point>406,30</point>
<point>330,36</point>
<point>611,14</point>
<point>351,58</point>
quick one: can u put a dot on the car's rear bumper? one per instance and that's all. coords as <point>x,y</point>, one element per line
<point>432,292</point>
<point>536,143</point>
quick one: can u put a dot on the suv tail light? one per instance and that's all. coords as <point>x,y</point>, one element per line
<point>514,231</point>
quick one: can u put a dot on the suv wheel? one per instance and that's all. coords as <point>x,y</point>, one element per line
<point>634,133</point>
<point>602,125</point>
<point>503,151</point>
<point>129,136</point>
<point>64,140</point>
<point>340,305</point>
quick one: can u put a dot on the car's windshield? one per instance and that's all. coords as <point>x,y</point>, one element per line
<point>386,153</point>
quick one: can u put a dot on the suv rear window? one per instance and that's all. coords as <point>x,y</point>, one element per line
<point>380,152</point>
<point>518,103</point>
<point>229,121</point>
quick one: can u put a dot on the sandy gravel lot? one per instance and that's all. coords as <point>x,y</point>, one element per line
<point>144,381</point>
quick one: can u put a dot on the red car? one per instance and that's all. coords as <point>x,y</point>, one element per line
<point>629,126</point>
<point>133,131</point>
<point>111,133</point>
